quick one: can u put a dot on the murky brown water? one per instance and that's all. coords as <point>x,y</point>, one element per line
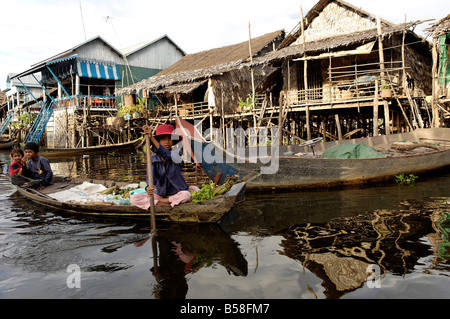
<point>291,245</point>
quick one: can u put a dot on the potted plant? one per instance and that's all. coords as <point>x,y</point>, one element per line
<point>386,92</point>
<point>133,111</point>
<point>125,111</point>
<point>246,105</point>
<point>140,108</point>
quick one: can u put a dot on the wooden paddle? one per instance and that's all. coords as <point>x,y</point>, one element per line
<point>150,184</point>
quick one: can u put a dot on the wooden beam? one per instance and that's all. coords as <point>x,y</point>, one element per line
<point>387,120</point>
<point>435,85</point>
<point>305,77</point>
<point>338,126</point>
<point>251,72</point>
<point>380,50</point>
<point>375,111</point>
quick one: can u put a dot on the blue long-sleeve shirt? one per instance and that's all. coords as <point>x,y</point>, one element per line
<point>167,177</point>
<point>39,168</point>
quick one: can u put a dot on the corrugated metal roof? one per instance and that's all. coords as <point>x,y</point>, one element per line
<point>137,47</point>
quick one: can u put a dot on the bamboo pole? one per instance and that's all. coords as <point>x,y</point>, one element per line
<point>403,58</point>
<point>387,120</point>
<point>150,184</point>
<point>435,84</point>
<point>338,126</point>
<point>251,72</point>
<point>305,77</point>
<point>375,111</point>
<point>380,49</point>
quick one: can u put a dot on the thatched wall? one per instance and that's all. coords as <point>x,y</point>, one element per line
<point>330,13</point>
<point>61,128</point>
<point>336,20</point>
<point>231,86</point>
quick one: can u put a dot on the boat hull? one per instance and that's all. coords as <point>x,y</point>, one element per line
<point>316,173</point>
<point>7,144</point>
<point>68,152</point>
<point>207,212</point>
<point>309,171</point>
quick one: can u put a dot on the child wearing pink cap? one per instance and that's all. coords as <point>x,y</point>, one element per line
<point>170,186</point>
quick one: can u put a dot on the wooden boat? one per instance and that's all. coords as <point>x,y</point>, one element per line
<point>7,143</point>
<point>68,152</point>
<point>310,170</point>
<point>210,211</point>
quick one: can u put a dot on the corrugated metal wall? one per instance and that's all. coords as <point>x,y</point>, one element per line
<point>100,51</point>
<point>158,55</point>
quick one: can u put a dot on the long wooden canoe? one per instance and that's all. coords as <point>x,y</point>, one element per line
<point>210,211</point>
<point>67,152</point>
<point>288,171</point>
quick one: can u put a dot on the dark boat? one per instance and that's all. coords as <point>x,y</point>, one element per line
<point>311,170</point>
<point>210,211</point>
<point>7,143</point>
<point>68,152</point>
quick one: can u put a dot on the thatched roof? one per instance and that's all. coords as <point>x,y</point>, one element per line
<point>203,65</point>
<point>441,27</point>
<point>332,43</point>
<point>317,9</point>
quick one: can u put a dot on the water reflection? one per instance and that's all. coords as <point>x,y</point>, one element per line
<point>441,238</point>
<point>327,239</point>
<point>341,250</point>
<point>180,250</point>
<point>125,168</point>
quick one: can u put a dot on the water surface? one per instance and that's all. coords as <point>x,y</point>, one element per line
<point>302,245</point>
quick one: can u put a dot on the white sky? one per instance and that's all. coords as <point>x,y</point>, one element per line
<point>33,30</point>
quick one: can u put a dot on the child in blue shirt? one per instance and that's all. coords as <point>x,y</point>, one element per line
<point>37,173</point>
<point>170,187</point>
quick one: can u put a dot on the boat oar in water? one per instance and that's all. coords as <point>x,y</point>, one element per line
<point>150,184</point>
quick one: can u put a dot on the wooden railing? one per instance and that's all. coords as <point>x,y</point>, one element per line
<point>189,110</point>
<point>92,101</point>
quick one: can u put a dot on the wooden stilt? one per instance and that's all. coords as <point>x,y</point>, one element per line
<point>338,126</point>
<point>375,111</point>
<point>387,120</point>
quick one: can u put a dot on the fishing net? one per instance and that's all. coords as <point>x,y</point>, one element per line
<point>352,151</point>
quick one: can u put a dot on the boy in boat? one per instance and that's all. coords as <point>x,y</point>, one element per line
<point>17,156</point>
<point>170,187</point>
<point>37,172</point>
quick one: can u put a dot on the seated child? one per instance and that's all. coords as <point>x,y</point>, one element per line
<point>17,163</point>
<point>37,172</point>
<point>170,185</point>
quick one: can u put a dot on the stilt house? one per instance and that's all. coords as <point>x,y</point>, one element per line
<point>440,33</point>
<point>78,88</point>
<point>343,72</point>
<point>208,80</point>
